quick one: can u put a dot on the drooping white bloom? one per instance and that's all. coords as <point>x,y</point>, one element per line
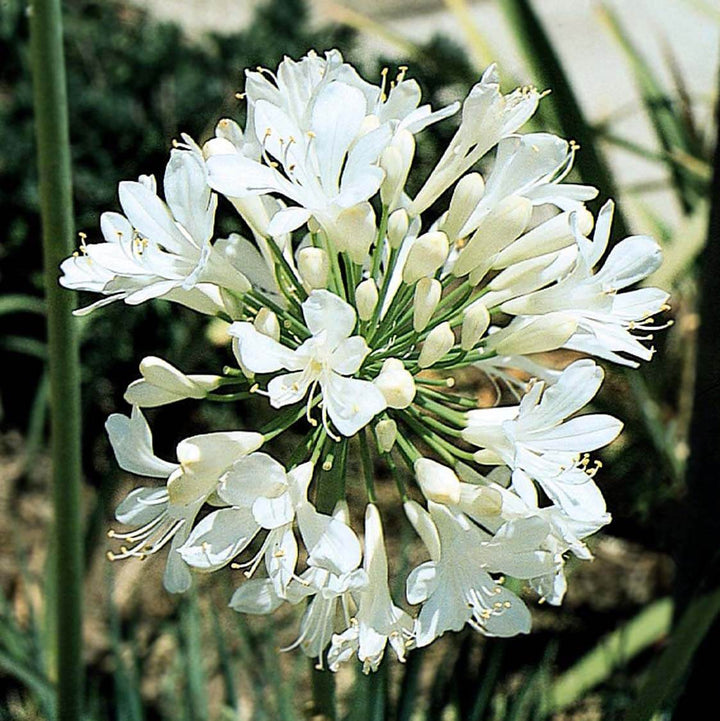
<point>487,117</point>
<point>166,514</point>
<point>334,554</point>
<point>454,587</point>
<point>260,495</point>
<point>605,316</point>
<point>161,249</point>
<point>378,620</point>
<point>326,359</point>
<point>538,442</point>
<point>162,383</point>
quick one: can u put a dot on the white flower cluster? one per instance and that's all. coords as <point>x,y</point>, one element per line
<point>351,303</point>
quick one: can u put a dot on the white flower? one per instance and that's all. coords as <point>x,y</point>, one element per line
<point>325,359</point>
<point>261,495</point>
<point>538,443</point>
<point>334,555</point>
<point>378,620</point>
<point>161,249</point>
<point>605,316</point>
<point>454,586</point>
<point>531,166</point>
<point>167,514</point>
<point>324,164</point>
<point>487,117</point>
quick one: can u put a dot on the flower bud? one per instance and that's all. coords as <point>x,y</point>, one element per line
<point>396,384</point>
<point>553,234</point>
<point>439,341</point>
<point>500,227</point>
<point>426,255</point>
<point>162,383</point>
<point>398,224</point>
<point>396,160</point>
<point>467,194</point>
<point>480,500</point>
<point>476,321</point>
<point>427,297</point>
<point>386,433</point>
<point>314,266</point>
<point>437,482</point>
<point>266,322</point>
<point>366,298</point>
<point>354,231</point>
<point>533,335</point>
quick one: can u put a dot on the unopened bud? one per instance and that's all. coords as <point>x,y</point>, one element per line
<point>396,384</point>
<point>476,321</point>
<point>427,254</point>
<point>467,194</point>
<point>554,234</point>
<point>533,335</point>
<point>498,229</point>
<point>386,433</point>
<point>398,225</point>
<point>439,341</point>
<point>162,383</point>
<point>314,266</point>
<point>366,298</point>
<point>427,297</point>
<point>396,160</point>
<point>437,482</point>
<point>266,322</point>
<point>354,231</point>
<point>480,500</point>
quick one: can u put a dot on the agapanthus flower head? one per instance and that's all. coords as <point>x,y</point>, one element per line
<point>349,307</point>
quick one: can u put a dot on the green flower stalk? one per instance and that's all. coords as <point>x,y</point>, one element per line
<point>53,148</point>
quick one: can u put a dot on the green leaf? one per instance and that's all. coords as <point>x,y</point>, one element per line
<point>613,652</point>
<point>670,670</point>
<point>567,113</point>
<point>20,303</point>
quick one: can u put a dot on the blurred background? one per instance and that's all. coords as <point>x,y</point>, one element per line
<point>633,83</point>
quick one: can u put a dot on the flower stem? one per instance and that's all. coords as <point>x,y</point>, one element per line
<point>53,150</point>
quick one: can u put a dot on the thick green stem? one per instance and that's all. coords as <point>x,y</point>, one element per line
<point>53,150</point>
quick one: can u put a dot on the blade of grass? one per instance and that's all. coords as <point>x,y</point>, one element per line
<point>545,64</point>
<point>53,151</point>
<point>668,124</point>
<point>19,303</point>
<point>365,24</point>
<point>614,651</point>
<point>672,666</point>
<point>194,672</point>
<point>226,662</point>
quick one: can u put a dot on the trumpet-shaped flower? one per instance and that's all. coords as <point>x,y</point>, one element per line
<point>378,620</point>
<point>326,359</point>
<point>606,317</point>
<point>454,587</point>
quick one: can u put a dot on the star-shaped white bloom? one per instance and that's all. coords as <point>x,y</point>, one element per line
<point>326,359</point>
<point>538,443</point>
<point>606,317</point>
<point>331,578</point>
<point>454,587</point>
<point>162,249</point>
